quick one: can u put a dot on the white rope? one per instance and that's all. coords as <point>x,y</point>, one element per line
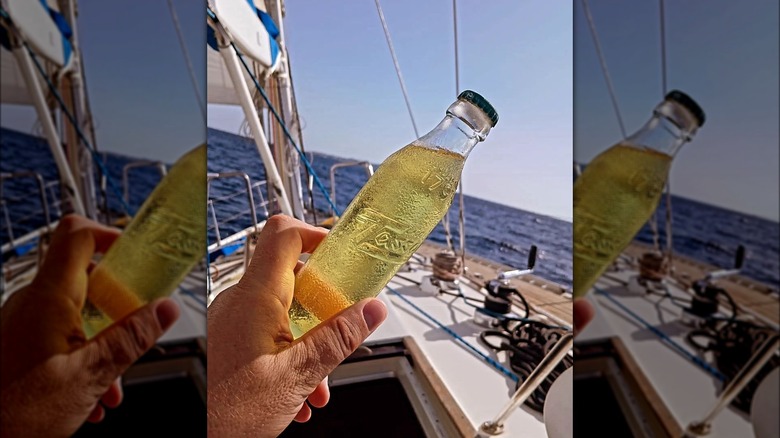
<point>397,66</point>
<point>604,69</point>
<point>186,54</point>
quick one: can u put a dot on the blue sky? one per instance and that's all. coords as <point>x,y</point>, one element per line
<point>722,53</point>
<point>142,98</point>
<point>516,54</point>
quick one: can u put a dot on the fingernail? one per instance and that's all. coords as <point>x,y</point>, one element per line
<point>167,312</point>
<point>374,312</point>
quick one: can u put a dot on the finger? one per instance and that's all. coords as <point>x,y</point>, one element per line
<point>104,236</point>
<point>298,267</point>
<point>113,397</point>
<point>317,353</point>
<point>583,314</point>
<point>304,414</point>
<point>73,244</point>
<point>110,353</point>
<point>97,415</point>
<point>321,395</point>
<point>279,246</point>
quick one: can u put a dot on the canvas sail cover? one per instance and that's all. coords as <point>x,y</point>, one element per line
<point>48,35</point>
<point>253,32</point>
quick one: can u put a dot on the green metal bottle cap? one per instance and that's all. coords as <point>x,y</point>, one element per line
<point>689,104</point>
<point>481,103</point>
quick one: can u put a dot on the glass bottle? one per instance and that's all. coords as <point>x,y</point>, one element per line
<point>162,243</point>
<point>619,189</point>
<point>390,217</point>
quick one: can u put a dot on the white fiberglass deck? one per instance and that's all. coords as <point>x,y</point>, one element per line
<point>686,389</point>
<point>480,390</point>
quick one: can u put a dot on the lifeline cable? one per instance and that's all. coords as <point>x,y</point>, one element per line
<point>664,337</point>
<point>286,131</point>
<point>72,120</point>
<point>457,337</point>
<point>260,89</point>
<point>95,157</point>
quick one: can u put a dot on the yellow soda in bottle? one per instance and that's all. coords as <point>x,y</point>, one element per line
<point>620,188</point>
<point>390,217</point>
<point>162,243</point>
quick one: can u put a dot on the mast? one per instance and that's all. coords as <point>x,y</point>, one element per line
<point>230,59</point>
<point>69,188</point>
<point>289,161</point>
<point>45,60</point>
<point>74,95</point>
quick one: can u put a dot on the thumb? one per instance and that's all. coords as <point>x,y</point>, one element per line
<point>583,314</point>
<point>321,350</point>
<point>111,352</point>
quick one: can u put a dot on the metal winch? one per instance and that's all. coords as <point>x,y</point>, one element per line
<point>704,301</point>
<point>498,301</point>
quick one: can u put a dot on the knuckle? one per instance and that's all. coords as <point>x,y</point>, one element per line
<point>69,222</point>
<point>136,338</point>
<point>142,333</point>
<point>350,336</point>
<point>300,360</point>
<point>276,222</point>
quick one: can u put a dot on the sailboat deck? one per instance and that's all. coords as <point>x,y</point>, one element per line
<point>751,295</point>
<point>542,295</point>
<point>684,390</point>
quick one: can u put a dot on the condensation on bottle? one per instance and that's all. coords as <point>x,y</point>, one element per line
<point>619,190</point>
<point>161,244</point>
<point>390,217</point>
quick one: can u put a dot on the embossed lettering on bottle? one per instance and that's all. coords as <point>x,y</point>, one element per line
<point>390,216</point>
<point>620,188</point>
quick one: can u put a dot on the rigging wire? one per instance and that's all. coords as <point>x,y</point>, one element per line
<point>604,69</point>
<point>95,157</point>
<point>662,17</point>
<point>186,54</point>
<point>297,120</point>
<point>455,29</point>
<point>664,89</point>
<point>461,215</point>
<point>285,130</point>
<point>653,222</point>
<point>495,364</point>
<point>279,120</point>
<point>669,244</point>
<point>397,66</point>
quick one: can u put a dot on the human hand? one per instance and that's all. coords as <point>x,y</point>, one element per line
<point>583,314</point>
<point>52,378</point>
<point>261,379</point>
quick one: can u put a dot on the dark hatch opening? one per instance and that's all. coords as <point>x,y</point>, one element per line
<point>163,395</point>
<point>596,410</point>
<point>172,406</point>
<point>375,408</point>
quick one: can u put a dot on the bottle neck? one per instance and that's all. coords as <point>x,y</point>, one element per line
<point>462,128</point>
<point>667,131</point>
